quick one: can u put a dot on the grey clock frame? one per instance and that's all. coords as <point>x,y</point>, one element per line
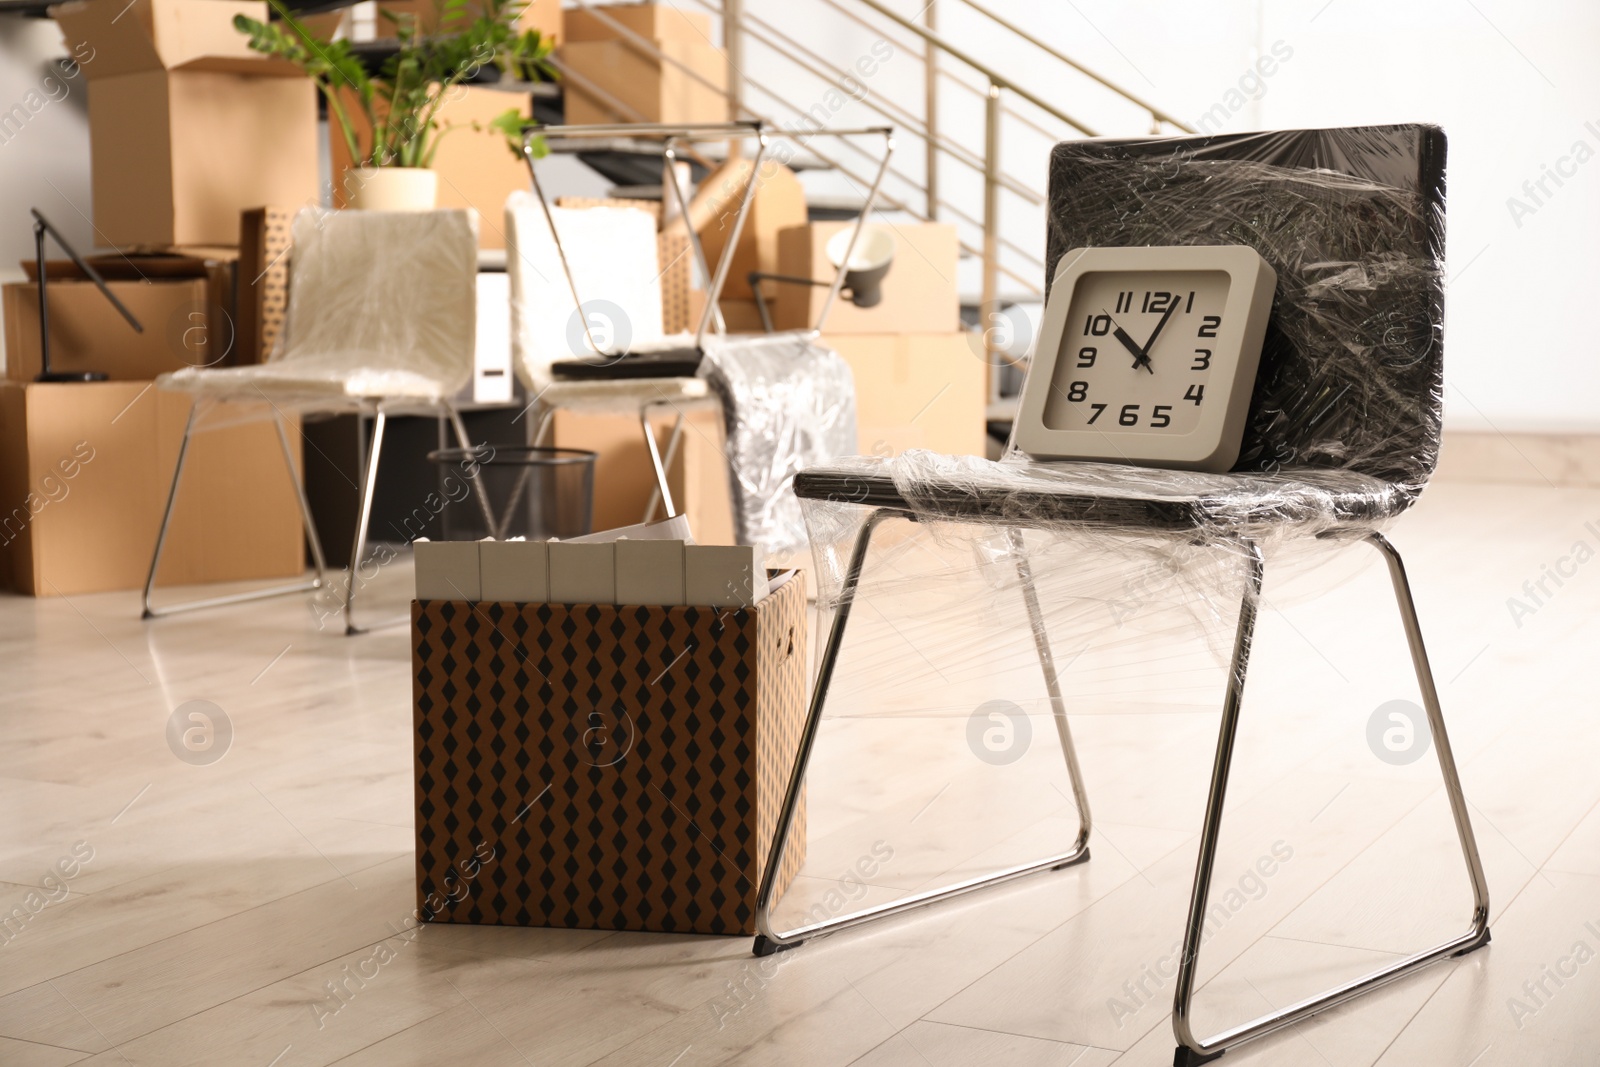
<point>1236,355</point>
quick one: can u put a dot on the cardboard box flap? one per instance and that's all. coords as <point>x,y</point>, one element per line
<point>114,266</point>
<point>177,254</point>
<point>145,35</point>
<point>188,29</point>
<point>259,67</point>
<point>119,43</point>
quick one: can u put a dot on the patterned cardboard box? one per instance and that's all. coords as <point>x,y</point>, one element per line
<point>600,767</point>
<point>263,281</point>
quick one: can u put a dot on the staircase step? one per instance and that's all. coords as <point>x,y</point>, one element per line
<point>971,302</point>
<point>822,207</point>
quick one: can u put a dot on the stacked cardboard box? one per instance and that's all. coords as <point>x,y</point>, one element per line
<point>84,479</point>
<point>915,390</point>
<point>546,16</point>
<point>642,63</point>
<point>919,378</point>
<point>187,128</point>
<point>919,292</point>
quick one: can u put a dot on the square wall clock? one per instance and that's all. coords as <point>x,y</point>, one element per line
<point>1148,356</point>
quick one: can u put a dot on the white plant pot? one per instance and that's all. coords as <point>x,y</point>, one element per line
<point>391,188</point>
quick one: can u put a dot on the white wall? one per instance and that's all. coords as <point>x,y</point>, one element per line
<point>44,142</point>
<point>1513,85</point>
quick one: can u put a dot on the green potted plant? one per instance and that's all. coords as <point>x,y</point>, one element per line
<point>397,109</point>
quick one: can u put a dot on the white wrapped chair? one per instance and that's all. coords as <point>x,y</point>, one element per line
<point>609,256</point>
<point>381,320</point>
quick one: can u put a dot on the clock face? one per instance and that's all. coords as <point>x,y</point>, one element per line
<point>1148,355</point>
<point>1137,351</point>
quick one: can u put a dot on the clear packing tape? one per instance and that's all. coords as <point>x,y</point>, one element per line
<point>381,305</point>
<point>788,403</point>
<point>1343,431</point>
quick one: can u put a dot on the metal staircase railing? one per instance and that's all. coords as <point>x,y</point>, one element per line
<point>925,198</point>
<point>938,147</point>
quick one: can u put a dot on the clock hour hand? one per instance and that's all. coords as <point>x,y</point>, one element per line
<point>1139,357</point>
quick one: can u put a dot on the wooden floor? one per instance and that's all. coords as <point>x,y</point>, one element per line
<point>213,907</point>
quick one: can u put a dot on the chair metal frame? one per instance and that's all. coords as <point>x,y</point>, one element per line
<point>768,938</point>
<point>673,137</point>
<point>1191,1049</point>
<point>379,411</point>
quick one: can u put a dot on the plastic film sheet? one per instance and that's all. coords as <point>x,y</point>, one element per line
<point>788,403</point>
<point>1344,423</point>
<point>612,254</point>
<point>381,304</point>
<point>1352,220</point>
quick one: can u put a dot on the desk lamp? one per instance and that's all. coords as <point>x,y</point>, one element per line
<point>42,226</point>
<point>863,274</point>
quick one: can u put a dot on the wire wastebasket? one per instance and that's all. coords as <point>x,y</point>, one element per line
<point>517,491</point>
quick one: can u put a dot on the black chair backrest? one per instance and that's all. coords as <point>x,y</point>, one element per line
<point>1353,222</point>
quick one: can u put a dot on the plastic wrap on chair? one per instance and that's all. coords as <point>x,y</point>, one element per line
<point>381,304</point>
<point>612,252</point>
<point>788,403</point>
<point>1352,220</point>
<point>1344,424</point>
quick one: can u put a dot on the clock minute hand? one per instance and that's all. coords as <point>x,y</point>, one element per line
<point>1145,352</point>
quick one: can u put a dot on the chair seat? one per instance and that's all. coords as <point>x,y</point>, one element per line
<point>1028,493</point>
<point>623,394</point>
<point>303,380</point>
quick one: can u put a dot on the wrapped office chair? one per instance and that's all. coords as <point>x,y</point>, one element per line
<point>381,320</point>
<point>786,399</point>
<point>610,255</point>
<point>1342,436</point>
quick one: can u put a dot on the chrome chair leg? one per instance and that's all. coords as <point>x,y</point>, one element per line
<point>769,940</point>
<point>478,490</point>
<point>1058,706</point>
<point>150,611</point>
<point>546,420</point>
<point>1192,1050</point>
<point>667,457</point>
<point>318,560</point>
<point>662,488</point>
<point>369,480</point>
